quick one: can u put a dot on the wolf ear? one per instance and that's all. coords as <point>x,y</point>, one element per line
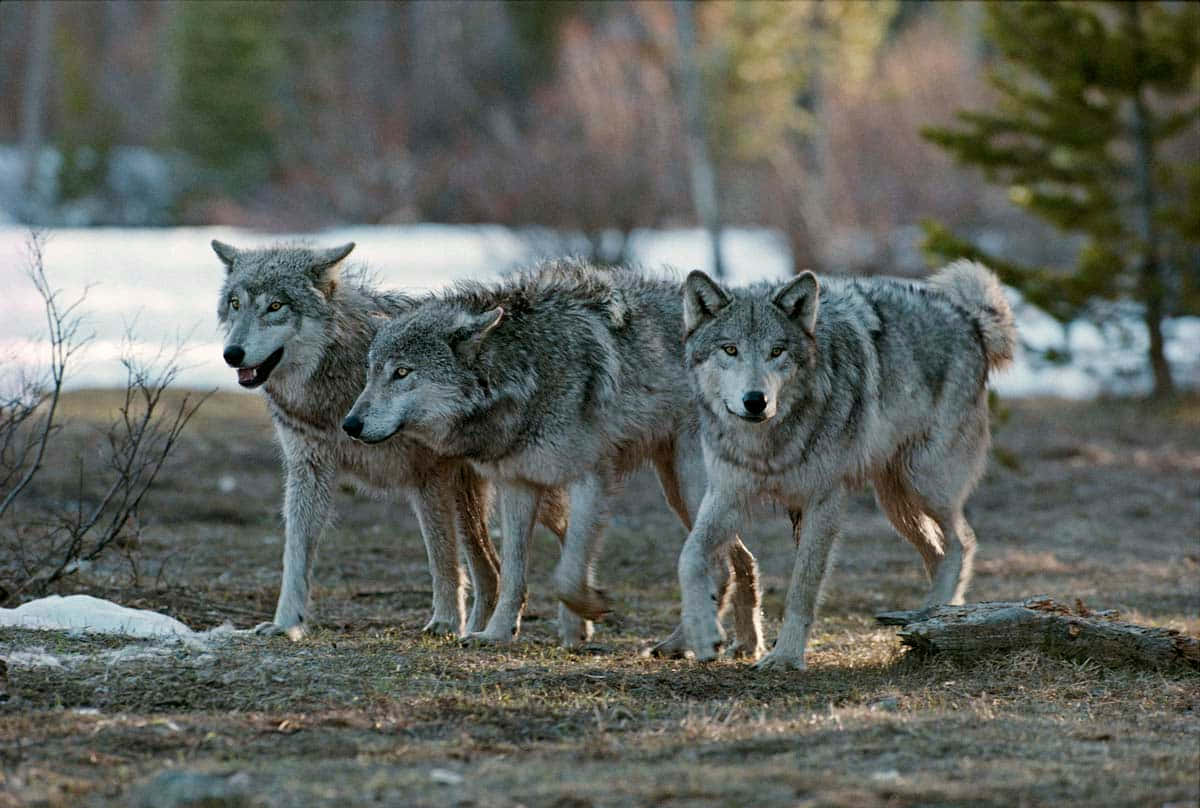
<point>702,300</point>
<point>799,300</point>
<point>472,330</point>
<point>227,253</point>
<point>323,268</point>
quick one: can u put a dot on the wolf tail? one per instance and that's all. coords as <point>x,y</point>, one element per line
<point>976,288</point>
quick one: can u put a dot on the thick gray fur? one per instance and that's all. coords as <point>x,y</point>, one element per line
<point>562,376</point>
<point>810,388</point>
<point>324,325</point>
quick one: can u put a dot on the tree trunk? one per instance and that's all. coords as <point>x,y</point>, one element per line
<point>34,101</point>
<point>704,175</point>
<point>1045,625</point>
<point>1150,263</point>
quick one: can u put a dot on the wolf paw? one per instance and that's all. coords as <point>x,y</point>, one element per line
<point>294,632</point>
<point>441,627</point>
<point>587,602</point>
<point>706,641</point>
<point>573,630</point>
<point>746,652</point>
<point>775,661</point>
<point>481,612</point>
<point>477,621</point>
<point>673,647</point>
<point>481,639</point>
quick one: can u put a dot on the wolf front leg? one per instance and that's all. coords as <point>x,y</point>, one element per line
<point>308,490</point>
<point>518,509</point>
<point>434,503</point>
<point>816,532</point>
<point>703,568</point>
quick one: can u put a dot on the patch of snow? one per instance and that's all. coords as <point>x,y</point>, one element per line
<point>163,284</point>
<point>35,658</point>
<point>89,614</point>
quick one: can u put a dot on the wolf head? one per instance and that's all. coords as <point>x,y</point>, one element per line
<point>420,374</point>
<point>750,353</point>
<point>273,306</point>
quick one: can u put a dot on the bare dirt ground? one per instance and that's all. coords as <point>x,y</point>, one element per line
<point>1098,501</point>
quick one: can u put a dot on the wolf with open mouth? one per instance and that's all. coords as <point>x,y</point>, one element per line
<point>299,329</point>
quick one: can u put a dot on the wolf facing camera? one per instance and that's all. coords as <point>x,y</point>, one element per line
<point>811,388</point>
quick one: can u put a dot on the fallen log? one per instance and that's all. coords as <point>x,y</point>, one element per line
<point>1043,624</point>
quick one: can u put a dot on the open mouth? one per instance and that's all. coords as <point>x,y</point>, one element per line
<point>754,419</point>
<point>254,376</point>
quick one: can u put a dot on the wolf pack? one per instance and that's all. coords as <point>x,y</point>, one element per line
<point>533,398</point>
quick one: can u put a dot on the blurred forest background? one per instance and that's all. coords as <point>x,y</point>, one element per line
<point>840,124</point>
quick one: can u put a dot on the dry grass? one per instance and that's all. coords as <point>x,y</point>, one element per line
<point>1102,501</point>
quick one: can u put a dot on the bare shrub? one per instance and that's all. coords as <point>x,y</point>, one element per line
<point>46,538</point>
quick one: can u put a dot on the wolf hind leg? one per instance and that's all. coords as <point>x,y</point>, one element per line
<point>904,510</point>
<point>942,477</point>
<point>474,504</point>
<point>747,603</point>
<point>953,577</point>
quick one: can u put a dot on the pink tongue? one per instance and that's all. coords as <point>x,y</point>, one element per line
<point>246,374</point>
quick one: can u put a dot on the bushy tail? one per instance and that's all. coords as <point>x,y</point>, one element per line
<point>977,289</point>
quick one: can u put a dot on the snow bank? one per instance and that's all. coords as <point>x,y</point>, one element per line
<point>163,284</point>
<point>86,613</point>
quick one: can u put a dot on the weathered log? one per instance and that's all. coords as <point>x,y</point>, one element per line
<point>1046,625</point>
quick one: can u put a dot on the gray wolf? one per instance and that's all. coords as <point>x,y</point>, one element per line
<point>299,330</point>
<point>564,376</point>
<point>810,388</point>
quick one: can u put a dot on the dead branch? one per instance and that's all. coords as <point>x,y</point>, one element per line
<point>1043,624</point>
<point>139,441</point>
<point>63,329</point>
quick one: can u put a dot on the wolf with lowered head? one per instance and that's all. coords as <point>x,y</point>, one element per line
<point>810,388</point>
<point>298,330</point>
<point>565,376</point>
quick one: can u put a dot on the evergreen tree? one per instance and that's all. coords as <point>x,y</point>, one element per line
<point>1094,99</point>
<point>230,61</point>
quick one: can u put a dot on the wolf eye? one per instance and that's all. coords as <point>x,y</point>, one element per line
<point>777,352</point>
<point>400,373</point>
<point>730,349</point>
<point>234,303</point>
<point>276,306</point>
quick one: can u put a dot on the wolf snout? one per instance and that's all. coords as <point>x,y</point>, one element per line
<point>353,426</point>
<point>755,402</point>
<point>234,355</point>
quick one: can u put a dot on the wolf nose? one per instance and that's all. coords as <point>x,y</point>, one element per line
<point>754,402</point>
<point>234,355</point>
<point>353,425</point>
